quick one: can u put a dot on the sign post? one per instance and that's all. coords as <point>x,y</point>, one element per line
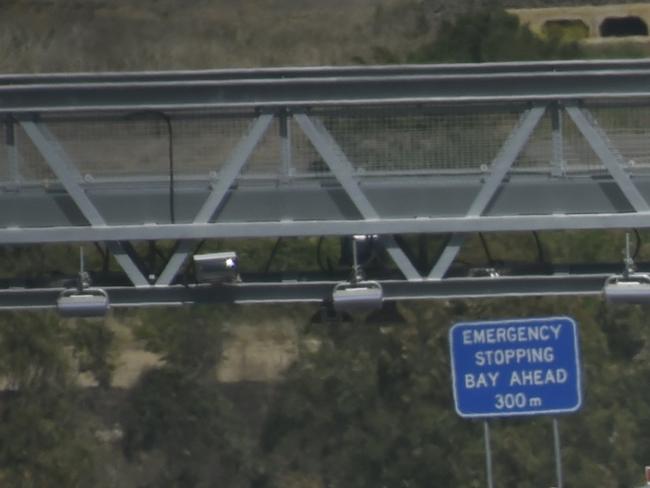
<point>516,367</point>
<point>558,456</point>
<point>488,453</point>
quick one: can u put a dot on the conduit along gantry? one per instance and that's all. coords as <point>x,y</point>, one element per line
<point>374,177</point>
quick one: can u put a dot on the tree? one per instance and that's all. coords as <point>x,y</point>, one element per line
<point>46,439</point>
<point>187,339</point>
<point>370,407</point>
<point>92,342</point>
<point>188,424</point>
<point>176,413</point>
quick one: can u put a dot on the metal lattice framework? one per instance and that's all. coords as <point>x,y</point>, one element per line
<point>446,150</point>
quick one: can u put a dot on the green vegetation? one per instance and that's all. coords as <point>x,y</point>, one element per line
<point>92,342</point>
<point>566,30</point>
<point>621,50</point>
<point>363,405</point>
<point>46,435</point>
<point>117,35</point>
<point>372,407</point>
<point>491,35</point>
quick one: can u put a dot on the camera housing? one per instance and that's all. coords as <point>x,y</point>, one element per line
<point>360,296</point>
<point>633,288</point>
<point>216,267</point>
<point>89,302</point>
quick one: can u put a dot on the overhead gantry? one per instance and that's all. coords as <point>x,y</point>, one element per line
<point>132,162</point>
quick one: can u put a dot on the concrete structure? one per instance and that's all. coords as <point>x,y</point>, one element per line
<point>590,24</point>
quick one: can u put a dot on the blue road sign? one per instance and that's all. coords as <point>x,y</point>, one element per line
<point>515,367</point>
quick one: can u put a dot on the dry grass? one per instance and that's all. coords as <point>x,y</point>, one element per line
<point>91,35</point>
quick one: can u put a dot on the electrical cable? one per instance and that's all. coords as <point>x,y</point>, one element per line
<point>486,249</point>
<point>319,257</point>
<point>319,249</point>
<point>105,254</point>
<point>541,258</point>
<point>274,251</point>
<point>639,243</point>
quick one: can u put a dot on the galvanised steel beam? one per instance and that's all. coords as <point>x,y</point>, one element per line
<point>611,160</point>
<point>499,168</point>
<point>318,291</point>
<point>343,170</point>
<point>339,200</point>
<point>252,230</point>
<point>419,205</point>
<point>363,87</point>
<point>70,178</point>
<point>316,72</point>
<point>227,177</point>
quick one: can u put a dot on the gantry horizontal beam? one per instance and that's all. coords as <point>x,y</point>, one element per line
<point>258,209</point>
<point>282,170</point>
<point>318,291</point>
<point>236,230</point>
<point>439,205</point>
<point>490,83</point>
<point>243,230</point>
<point>308,72</point>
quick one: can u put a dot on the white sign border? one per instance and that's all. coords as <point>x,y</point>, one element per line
<point>574,409</point>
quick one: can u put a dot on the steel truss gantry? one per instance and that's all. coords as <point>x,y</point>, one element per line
<point>447,150</point>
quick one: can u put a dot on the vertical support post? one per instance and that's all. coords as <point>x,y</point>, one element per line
<point>355,259</point>
<point>488,454</point>
<point>558,454</point>
<point>558,163</point>
<point>285,146</point>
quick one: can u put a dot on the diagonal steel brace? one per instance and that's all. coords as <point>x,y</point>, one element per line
<point>227,176</point>
<point>342,169</point>
<point>500,166</point>
<point>610,158</point>
<point>60,163</point>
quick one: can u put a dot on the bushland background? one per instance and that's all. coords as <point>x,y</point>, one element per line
<point>89,35</point>
<point>264,396</point>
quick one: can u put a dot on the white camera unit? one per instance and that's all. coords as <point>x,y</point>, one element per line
<point>633,288</point>
<point>89,302</point>
<point>355,297</point>
<point>216,267</point>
